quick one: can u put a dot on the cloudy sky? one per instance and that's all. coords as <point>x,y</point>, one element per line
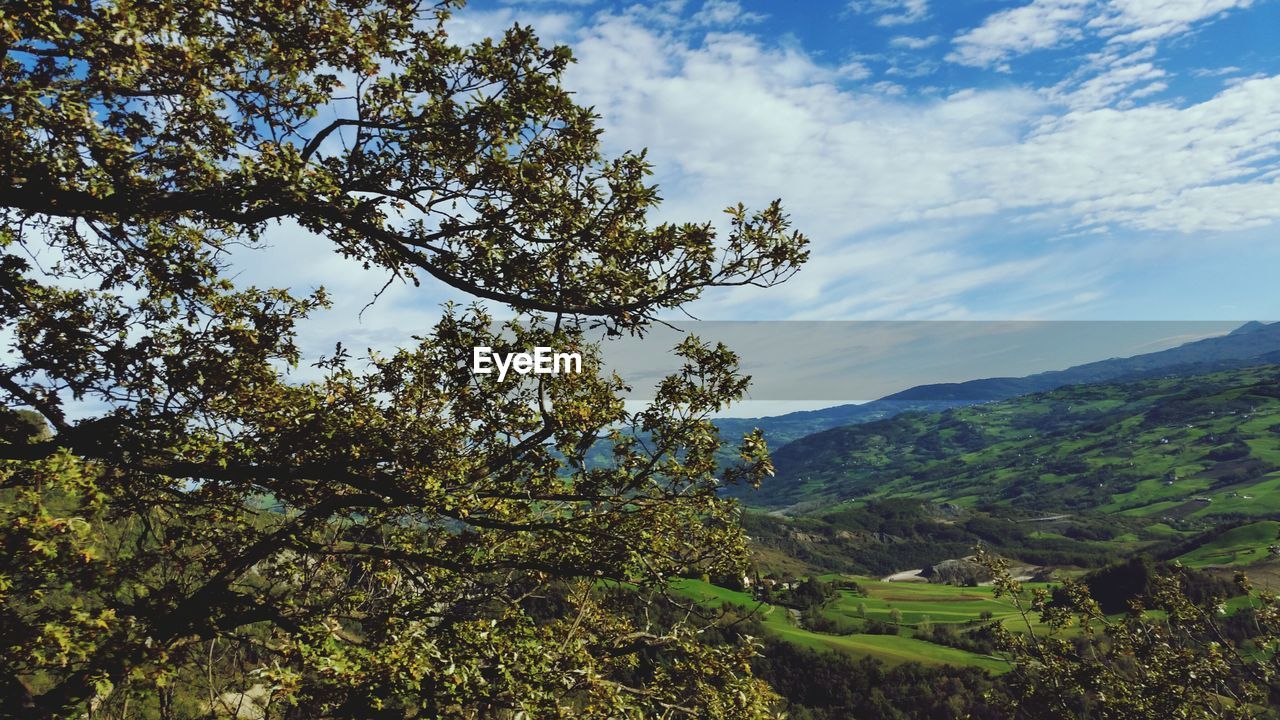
<point>1052,159</point>
<point>966,159</point>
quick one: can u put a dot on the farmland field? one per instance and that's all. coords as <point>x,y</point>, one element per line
<point>1238,546</point>
<point>919,603</point>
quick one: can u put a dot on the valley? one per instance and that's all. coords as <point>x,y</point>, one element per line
<point>1168,467</point>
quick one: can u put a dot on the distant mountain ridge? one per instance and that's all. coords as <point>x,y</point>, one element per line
<point>1251,343</point>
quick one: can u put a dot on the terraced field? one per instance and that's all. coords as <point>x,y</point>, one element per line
<point>922,602</point>
<point>918,603</point>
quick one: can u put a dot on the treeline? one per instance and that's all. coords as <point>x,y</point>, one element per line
<point>820,685</point>
<point>1114,587</point>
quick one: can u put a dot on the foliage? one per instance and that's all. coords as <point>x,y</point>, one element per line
<point>1116,586</point>
<point>809,593</point>
<point>1166,657</point>
<point>203,524</point>
<point>824,685</point>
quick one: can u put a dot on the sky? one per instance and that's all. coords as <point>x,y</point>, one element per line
<point>958,160</point>
<point>1052,159</point>
<point>810,364</point>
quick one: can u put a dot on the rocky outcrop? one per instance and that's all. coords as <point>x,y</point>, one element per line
<point>956,572</point>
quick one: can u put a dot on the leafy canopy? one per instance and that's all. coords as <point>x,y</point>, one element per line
<point>1166,657</point>
<point>190,528</point>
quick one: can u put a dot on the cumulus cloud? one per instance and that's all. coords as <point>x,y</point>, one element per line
<point>908,42</point>
<point>1016,31</point>
<point>1045,24</point>
<point>725,12</point>
<point>892,12</point>
<point>1015,200</point>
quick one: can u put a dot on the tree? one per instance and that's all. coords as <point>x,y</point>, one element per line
<point>1166,657</point>
<point>398,537</point>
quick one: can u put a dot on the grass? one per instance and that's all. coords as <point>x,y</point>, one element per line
<point>1260,498</point>
<point>1152,509</point>
<point>1142,450</point>
<point>918,602</point>
<point>1164,530</point>
<point>1238,546</point>
<point>892,649</point>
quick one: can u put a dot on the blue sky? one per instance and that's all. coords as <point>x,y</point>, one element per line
<point>1011,160</point>
<point>1050,159</point>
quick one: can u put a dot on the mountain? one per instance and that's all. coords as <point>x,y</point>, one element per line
<point>1249,341</point>
<point>782,429</point>
<point>1250,344</point>
<point>1174,447</point>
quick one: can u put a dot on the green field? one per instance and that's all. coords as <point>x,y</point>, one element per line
<point>1197,446</point>
<point>922,602</point>
<point>1238,546</point>
<point>917,602</point>
<point>1073,479</point>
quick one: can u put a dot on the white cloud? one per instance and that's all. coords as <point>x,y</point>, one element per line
<point>1016,31</point>
<point>735,119</point>
<point>1116,83</point>
<point>1157,167</point>
<point>854,70</point>
<point>553,27</point>
<point>578,3</point>
<point>908,42</point>
<point>890,13</point>
<point>916,205</point>
<point>1137,21</point>
<point>888,87</point>
<point>1216,72</point>
<point>1045,24</point>
<point>725,12</point>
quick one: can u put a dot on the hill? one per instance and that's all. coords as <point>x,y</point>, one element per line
<point>1250,344</point>
<point>1236,546</point>
<point>1171,448</point>
<point>1251,341</point>
<point>782,429</point>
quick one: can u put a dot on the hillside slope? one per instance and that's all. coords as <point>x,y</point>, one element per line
<point>1171,447</point>
<point>1250,344</point>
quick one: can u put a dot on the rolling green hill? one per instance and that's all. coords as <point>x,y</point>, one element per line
<point>1167,448</point>
<point>1250,344</point>
<point>1237,546</point>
